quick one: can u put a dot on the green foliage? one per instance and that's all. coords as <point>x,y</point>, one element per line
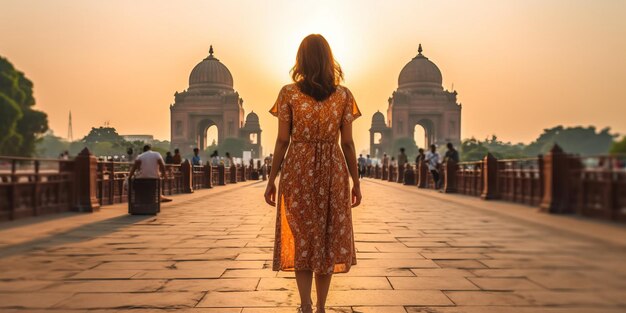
<point>103,134</point>
<point>20,125</point>
<point>619,147</point>
<point>472,150</point>
<point>51,146</point>
<point>579,140</point>
<point>409,145</point>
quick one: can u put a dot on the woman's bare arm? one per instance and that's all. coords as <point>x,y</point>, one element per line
<point>347,145</point>
<point>282,143</point>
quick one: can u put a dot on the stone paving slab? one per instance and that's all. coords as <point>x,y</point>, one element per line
<point>417,251</point>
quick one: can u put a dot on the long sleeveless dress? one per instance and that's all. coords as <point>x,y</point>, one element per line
<point>314,215</point>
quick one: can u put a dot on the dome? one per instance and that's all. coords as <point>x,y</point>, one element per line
<point>252,121</point>
<point>378,117</point>
<point>252,117</point>
<point>378,120</point>
<point>420,73</point>
<point>210,74</point>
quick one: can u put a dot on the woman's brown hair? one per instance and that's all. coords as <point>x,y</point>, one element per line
<point>316,72</point>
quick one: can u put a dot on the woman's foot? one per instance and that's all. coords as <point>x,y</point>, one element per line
<point>306,308</point>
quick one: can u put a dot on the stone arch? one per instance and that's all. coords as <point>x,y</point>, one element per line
<point>201,133</point>
<point>429,127</point>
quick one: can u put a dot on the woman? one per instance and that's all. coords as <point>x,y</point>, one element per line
<point>314,221</point>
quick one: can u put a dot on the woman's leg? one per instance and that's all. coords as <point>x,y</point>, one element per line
<point>304,279</point>
<point>322,285</point>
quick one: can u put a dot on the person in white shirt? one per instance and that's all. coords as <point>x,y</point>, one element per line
<point>147,165</point>
<point>432,160</point>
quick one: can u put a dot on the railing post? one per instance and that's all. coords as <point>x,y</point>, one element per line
<point>400,178</point>
<point>385,175</point>
<point>490,175</point>
<point>422,169</point>
<point>221,173</point>
<point>233,174</point>
<point>450,179</point>
<point>409,175</point>
<point>208,175</point>
<point>555,184</point>
<point>85,178</point>
<point>186,171</point>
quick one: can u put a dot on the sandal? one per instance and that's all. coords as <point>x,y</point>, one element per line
<point>301,309</point>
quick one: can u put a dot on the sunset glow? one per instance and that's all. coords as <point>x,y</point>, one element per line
<point>518,66</point>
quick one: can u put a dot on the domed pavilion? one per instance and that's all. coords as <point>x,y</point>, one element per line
<point>209,101</point>
<point>419,100</point>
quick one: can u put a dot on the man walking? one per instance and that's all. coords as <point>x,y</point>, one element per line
<point>195,160</point>
<point>402,160</point>
<point>147,165</point>
<point>361,164</point>
<point>451,154</point>
<point>432,160</point>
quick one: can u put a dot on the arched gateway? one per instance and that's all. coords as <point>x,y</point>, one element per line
<point>211,101</point>
<point>419,100</point>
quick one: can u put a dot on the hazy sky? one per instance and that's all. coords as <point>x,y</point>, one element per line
<point>518,66</point>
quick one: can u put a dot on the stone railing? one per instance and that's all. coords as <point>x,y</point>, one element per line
<point>556,183</point>
<point>31,187</point>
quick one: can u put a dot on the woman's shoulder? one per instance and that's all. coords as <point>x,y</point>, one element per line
<point>289,88</point>
<point>344,91</point>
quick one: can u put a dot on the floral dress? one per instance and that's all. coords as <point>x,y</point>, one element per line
<point>314,215</point>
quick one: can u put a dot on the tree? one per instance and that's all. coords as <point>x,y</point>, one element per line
<point>619,147</point>
<point>103,134</point>
<point>580,140</point>
<point>20,125</point>
<point>51,146</point>
<point>472,150</point>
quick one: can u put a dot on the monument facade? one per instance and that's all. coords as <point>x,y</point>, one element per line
<point>209,101</point>
<point>419,100</point>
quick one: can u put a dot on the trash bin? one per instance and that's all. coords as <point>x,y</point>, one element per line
<point>144,196</point>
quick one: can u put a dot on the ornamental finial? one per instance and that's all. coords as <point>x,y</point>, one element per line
<point>211,50</point>
<point>419,49</point>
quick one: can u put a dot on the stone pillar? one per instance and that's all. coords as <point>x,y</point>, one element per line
<point>490,176</point>
<point>555,182</point>
<point>450,178</point>
<point>85,182</point>
<point>186,172</point>
<point>422,177</point>
<point>221,175</point>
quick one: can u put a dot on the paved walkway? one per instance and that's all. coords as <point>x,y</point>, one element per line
<point>210,252</point>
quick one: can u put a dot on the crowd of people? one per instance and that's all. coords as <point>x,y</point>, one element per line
<point>431,158</point>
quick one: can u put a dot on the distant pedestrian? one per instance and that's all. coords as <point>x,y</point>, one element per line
<point>169,159</point>
<point>432,160</point>
<point>177,159</point>
<point>451,154</point>
<point>368,165</point>
<point>361,163</point>
<point>402,161</point>
<point>229,160</point>
<point>420,157</point>
<point>215,158</point>
<point>385,160</point>
<point>196,160</point>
